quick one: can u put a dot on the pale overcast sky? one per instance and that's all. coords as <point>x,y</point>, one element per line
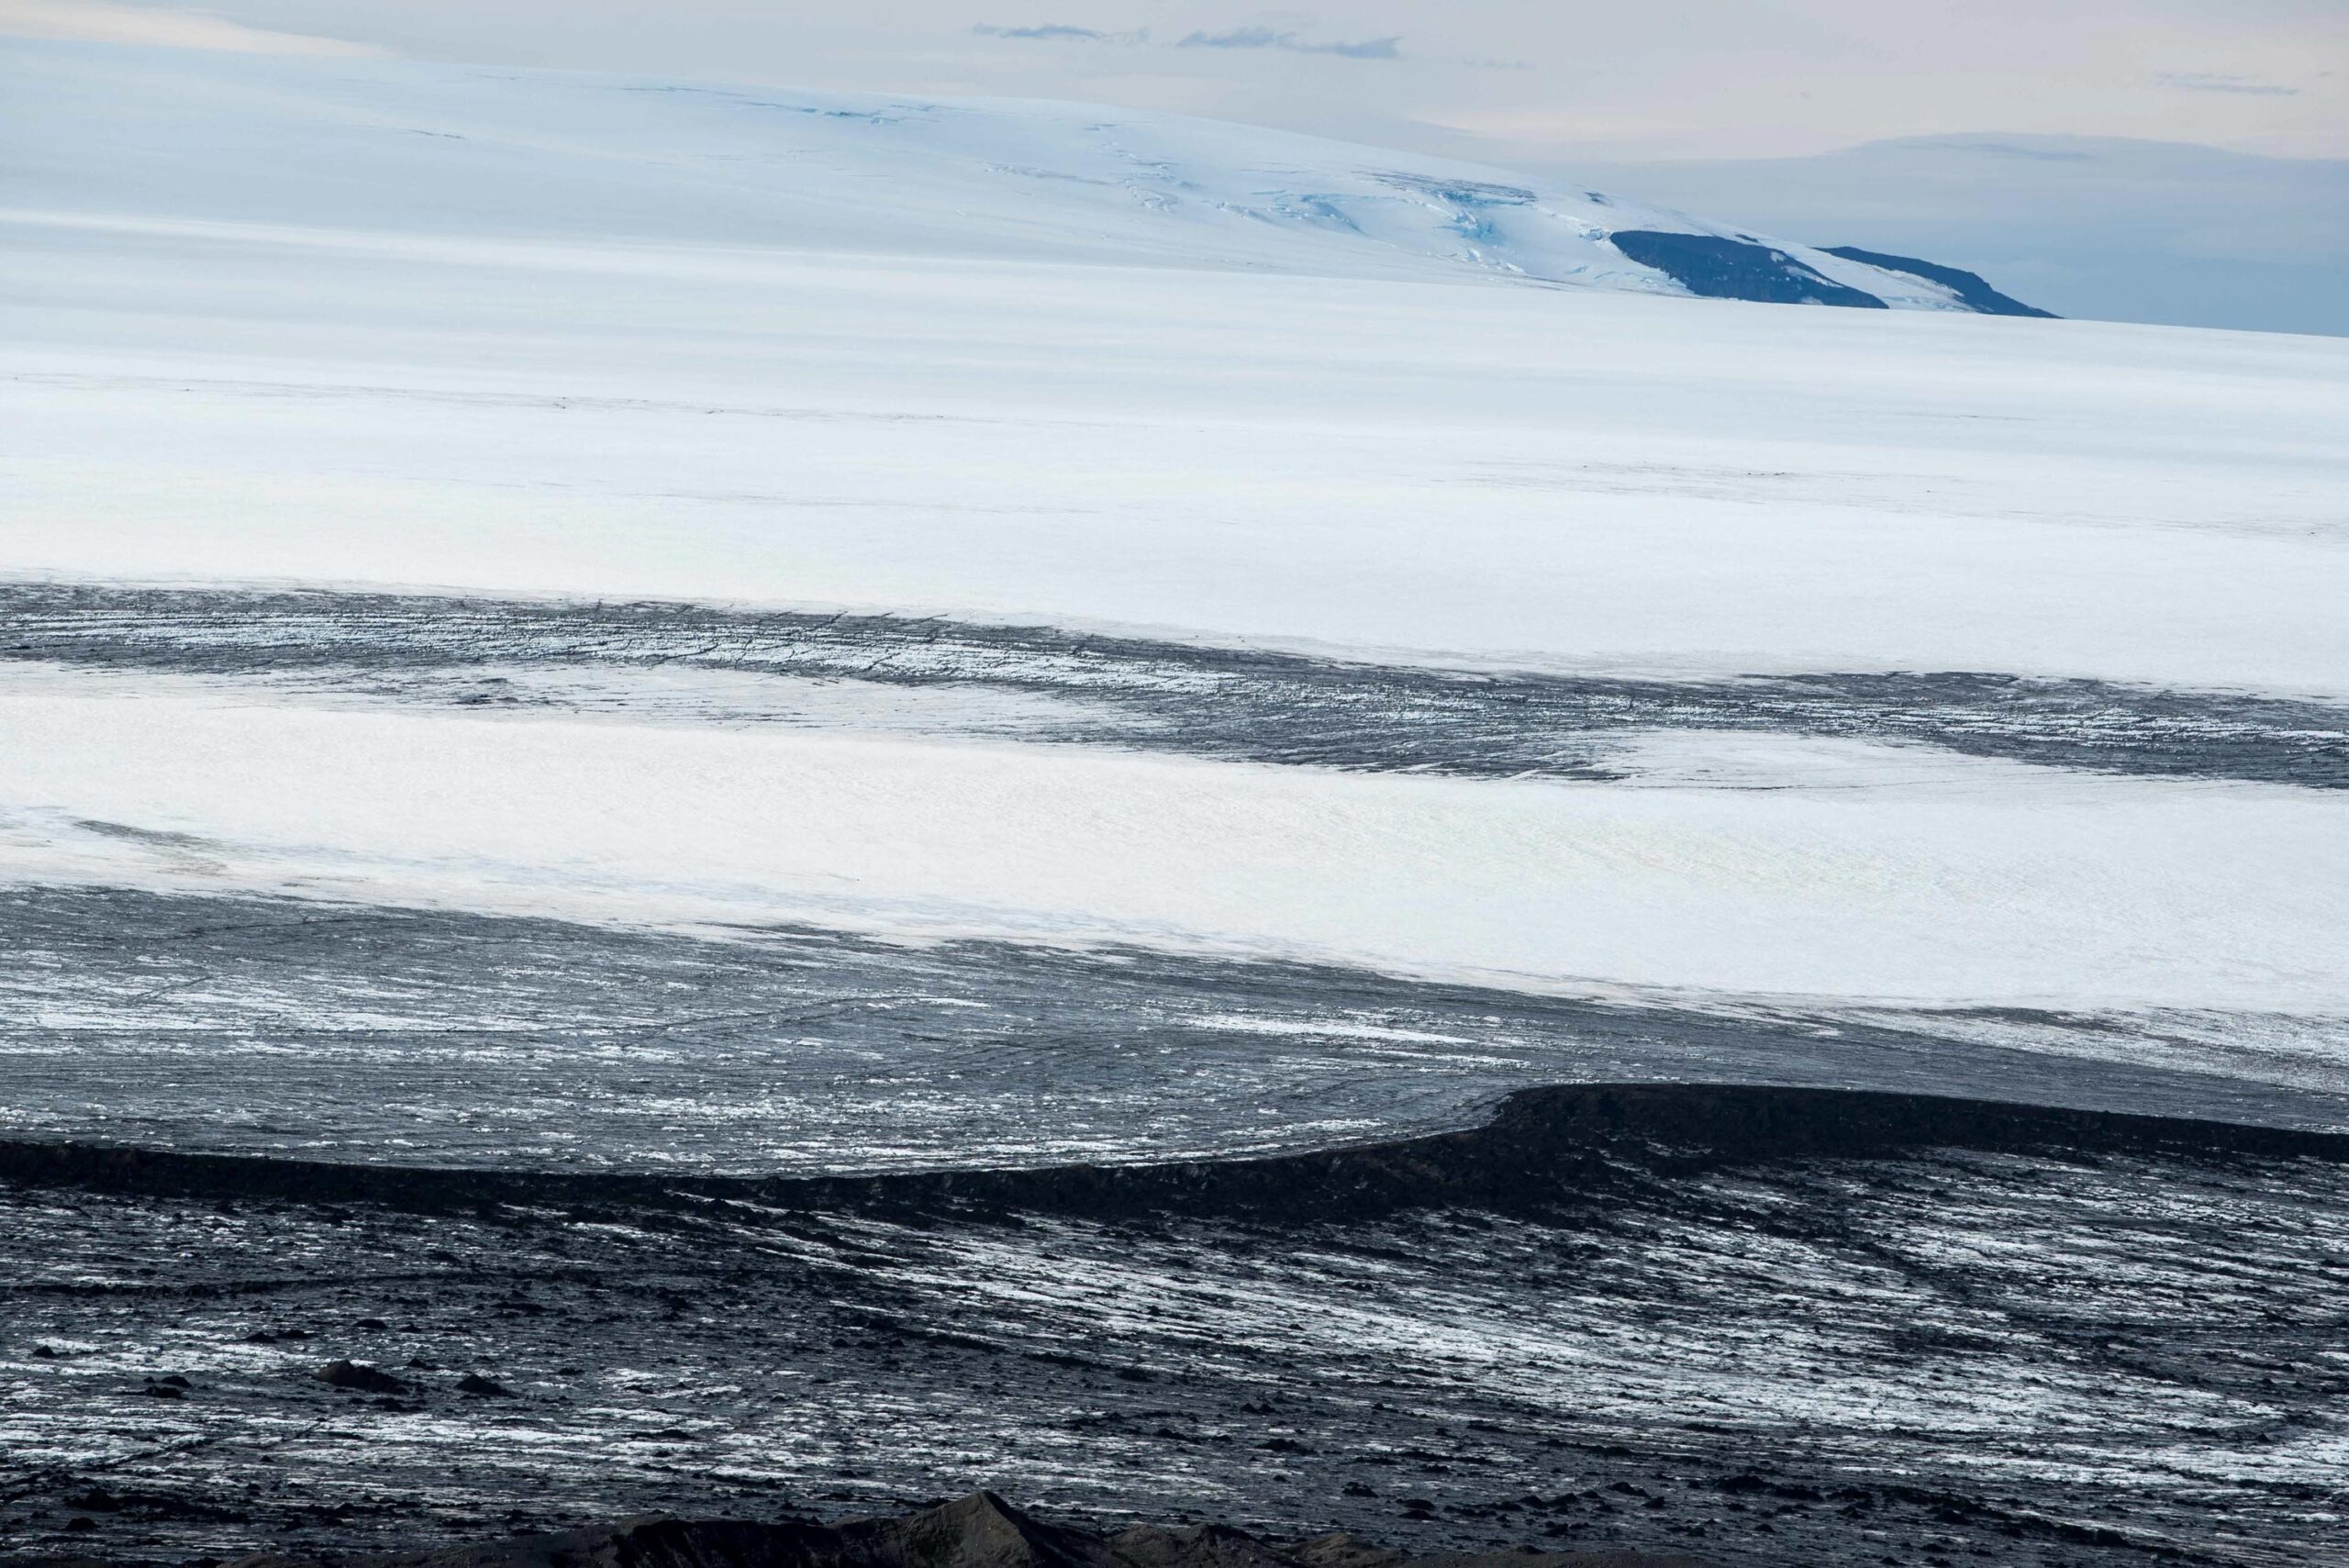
<point>1524,80</point>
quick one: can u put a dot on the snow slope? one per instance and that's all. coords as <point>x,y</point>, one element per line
<point>358,324</point>
<point>367,145</point>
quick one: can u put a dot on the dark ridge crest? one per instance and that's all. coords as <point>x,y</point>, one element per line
<point>1543,1147</point>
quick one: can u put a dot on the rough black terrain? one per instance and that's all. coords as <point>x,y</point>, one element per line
<point>981,1531</point>
<point>1047,683</point>
<point>330,1226</point>
<point>377,1035</point>
<point>1782,1328</point>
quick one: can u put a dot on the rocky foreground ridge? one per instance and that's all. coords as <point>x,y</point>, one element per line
<point>981,1531</point>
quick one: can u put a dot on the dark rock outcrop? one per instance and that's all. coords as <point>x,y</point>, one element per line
<point>1971,288</point>
<point>359,1377</point>
<point>1717,267</point>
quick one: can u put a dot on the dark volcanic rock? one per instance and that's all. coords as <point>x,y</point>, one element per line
<point>1353,1551</point>
<point>359,1377</point>
<point>1198,1546</point>
<point>1730,1320</point>
<point>981,1531</point>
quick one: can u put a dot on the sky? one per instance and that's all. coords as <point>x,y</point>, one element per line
<point>1763,102</point>
<point>1513,80</point>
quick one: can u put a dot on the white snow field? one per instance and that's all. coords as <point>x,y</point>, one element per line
<point>425,150</point>
<point>1850,872</point>
<point>364,324</point>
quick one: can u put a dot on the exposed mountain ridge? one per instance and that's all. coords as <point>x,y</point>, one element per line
<point>1970,287</point>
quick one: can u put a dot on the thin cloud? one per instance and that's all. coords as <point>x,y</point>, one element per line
<point>1045,30</point>
<point>1994,149</point>
<point>97,21</point>
<point>1265,38</point>
<point>2212,81</point>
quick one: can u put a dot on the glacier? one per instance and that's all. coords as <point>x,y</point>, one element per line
<point>545,340</point>
<point>708,756</point>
